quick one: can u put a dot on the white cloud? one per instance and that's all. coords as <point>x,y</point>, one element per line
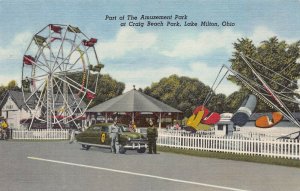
<point>227,88</point>
<point>15,48</point>
<point>262,33</point>
<point>127,40</point>
<point>208,74</point>
<point>204,43</point>
<point>211,41</point>
<point>203,71</point>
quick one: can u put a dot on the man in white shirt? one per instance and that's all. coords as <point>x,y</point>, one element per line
<point>114,130</point>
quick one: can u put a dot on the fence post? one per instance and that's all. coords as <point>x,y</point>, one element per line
<point>254,145</point>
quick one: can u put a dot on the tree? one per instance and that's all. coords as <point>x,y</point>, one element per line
<point>271,54</point>
<point>107,88</point>
<point>234,101</point>
<point>11,85</point>
<point>218,103</point>
<point>183,93</point>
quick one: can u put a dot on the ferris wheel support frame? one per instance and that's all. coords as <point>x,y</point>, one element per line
<point>47,75</point>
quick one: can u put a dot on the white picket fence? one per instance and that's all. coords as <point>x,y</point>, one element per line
<point>40,134</point>
<point>235,144</point>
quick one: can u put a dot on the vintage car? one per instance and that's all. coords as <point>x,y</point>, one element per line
<point>98,136</point>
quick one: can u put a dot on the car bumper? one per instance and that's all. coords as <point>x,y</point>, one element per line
<point>135,145</point>
<point>131,146</point>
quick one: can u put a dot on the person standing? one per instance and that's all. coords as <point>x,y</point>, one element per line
<point>133,126</point>
<point>4,128</point>
<point>177,126</point>
<point>72,136</point>
<point>152,135</point>
<point>114,130</point>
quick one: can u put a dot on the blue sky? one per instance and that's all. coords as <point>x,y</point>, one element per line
<point>142,55</point>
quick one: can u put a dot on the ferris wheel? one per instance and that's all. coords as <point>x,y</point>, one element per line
<point>59,74</point>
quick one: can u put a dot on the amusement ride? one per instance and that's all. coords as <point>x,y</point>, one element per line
<point>57,70</point>
<point>264,91</point>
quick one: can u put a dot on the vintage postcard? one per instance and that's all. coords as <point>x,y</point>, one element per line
<point>149,95</point>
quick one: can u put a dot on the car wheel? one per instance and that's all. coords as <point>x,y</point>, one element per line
<point>86,147</point>
<point>141,150</point>
<point>122,150</point>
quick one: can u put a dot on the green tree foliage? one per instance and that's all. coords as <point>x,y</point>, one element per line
<point>11,85</point>
<point>184,94</point>
<point>218,103</point>
<point>273,54</point>
<point>107,88</point>
<point>234,101</point>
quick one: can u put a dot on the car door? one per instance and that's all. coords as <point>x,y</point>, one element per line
<point>104,135</point>
<point>92,134</point>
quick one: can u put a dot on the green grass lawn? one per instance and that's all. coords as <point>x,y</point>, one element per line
<point>230,156</point>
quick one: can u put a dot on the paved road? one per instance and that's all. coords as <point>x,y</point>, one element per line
<point>60,166</point>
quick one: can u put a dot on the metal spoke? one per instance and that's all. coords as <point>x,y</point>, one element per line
<point>51,91</point>
<point>60,48</point>
<point>73,96</point>
<point>66,58</point>
<point>72,47</point>
<point>36,77</point>
<point>35,109</point>
<point>65,100</point>
<point>79,85</point>
<point>26,100</point>
<point>71,71</point>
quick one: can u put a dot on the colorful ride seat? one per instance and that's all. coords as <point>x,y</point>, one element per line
<point>73,29</point>
<point>55,28</point>
<point>208,118</point>
<point>90,42</point>
<point>90,95</point>
<point>211,119</point>
<point>201,117</point>
<point>195,119</point>
<point>39,40</point>
<point>266,122</point>
<point>28,60</point>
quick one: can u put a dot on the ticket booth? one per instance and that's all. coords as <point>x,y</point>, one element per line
<point>225,126</point>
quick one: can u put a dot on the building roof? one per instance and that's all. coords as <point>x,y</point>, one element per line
<point>17,97</point>
<point>133,101</point>
<point>3,99</point>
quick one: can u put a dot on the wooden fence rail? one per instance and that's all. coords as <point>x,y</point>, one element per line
<point>235,144</point>
<point>41,134</point>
